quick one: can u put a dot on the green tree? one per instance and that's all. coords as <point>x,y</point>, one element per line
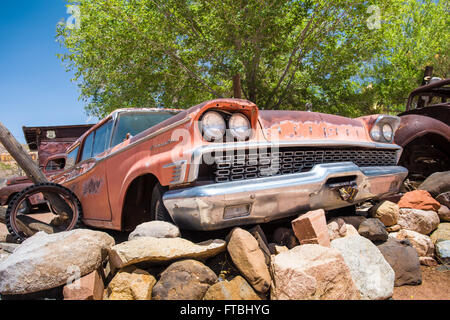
<point>177,53</point>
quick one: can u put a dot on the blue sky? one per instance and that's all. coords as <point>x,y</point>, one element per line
<point>35,89</point>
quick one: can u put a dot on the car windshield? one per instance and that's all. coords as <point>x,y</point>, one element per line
<point>136,122</point>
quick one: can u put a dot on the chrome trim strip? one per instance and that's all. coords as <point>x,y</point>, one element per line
<point>197,153</point>
<point>179,171</point>
<point>202,207</point>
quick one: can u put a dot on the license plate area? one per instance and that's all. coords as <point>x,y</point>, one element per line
<point>346,187</point>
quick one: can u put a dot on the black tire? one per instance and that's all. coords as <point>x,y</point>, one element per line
<point>26,209</point>
<point>12,210</point>
<point>157,209</point>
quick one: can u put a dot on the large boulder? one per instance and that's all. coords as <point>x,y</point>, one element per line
<point>184,280</point>
<point>373,276</point>
<point>404,260</point>
<point>46,261</point>
<point>311,272</point>
<point>436,183</point>
<point>422,243</point>
<point>418,199</point>
<point>236,289</point>
<point>249,259</point>
<point>160,250</point>
<point>386,212</point>
<point>373,230</point>
<point>444,213</point>
<point>131,283</point>
<point>443,251</point>
<point>417,220</point>
<point>311,228</point>
<point>441,233</point>
<point>155,229</point>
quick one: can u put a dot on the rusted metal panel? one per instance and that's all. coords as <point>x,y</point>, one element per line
<point>414,126</point>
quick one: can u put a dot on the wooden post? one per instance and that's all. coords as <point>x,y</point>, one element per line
<point>25,161</point>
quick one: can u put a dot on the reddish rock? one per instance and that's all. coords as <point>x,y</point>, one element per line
<point>311,228</point>
<point>89,287</point>
<point>419,199</point>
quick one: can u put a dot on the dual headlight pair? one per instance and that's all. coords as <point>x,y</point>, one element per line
<point>384,128</point>
<point>214,127</point>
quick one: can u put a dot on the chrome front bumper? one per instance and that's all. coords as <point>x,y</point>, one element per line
<point>271,198</point>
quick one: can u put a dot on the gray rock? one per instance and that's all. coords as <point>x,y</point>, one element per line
<point>46,261</point>
<point>403,259</point>
<point>373,229</point>
<point>444,199</point>
<point>184,280</point>
<point>371,273</point>
<point>437,183</point>
<point>156,229</point>
<point>443,251</point>
<point>162,250</point>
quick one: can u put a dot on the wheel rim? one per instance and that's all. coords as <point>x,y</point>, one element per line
<point>41,221</point>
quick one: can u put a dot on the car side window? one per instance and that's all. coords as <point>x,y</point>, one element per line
<point>87,147</point>
<point>102,138</point>
<point>54,165</point>
<point>72,158</point>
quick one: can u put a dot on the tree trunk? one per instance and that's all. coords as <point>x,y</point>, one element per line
<point>24,160</point>
<point>237,92</point>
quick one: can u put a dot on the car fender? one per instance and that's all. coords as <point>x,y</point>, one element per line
<point>413,126</point>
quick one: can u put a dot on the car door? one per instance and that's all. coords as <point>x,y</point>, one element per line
<point>90,183</point>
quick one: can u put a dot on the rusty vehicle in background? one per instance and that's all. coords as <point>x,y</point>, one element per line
<point>51,143</point>
<point>224,163</point>
<point>424,131</point>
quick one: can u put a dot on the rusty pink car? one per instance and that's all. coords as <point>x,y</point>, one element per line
<point>224,163</point>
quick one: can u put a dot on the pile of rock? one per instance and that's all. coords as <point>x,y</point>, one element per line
<point>344,257</point>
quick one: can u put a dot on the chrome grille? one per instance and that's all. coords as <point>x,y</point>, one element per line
<point>254,164</point>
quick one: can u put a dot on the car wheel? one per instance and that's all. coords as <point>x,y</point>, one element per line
<point>25,208</point>
<point>157,208</point>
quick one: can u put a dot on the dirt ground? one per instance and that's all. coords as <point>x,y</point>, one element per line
<point>435,286</point>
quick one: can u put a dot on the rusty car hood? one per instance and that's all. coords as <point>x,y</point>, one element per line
<point>302,125</point>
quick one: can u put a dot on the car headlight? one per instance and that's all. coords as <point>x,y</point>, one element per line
<point>239,126</point>
<point>384,128</point>
<point>388,132</point>
<point>3,183</point>
<point>213,126</point>
<point>376,133</point>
